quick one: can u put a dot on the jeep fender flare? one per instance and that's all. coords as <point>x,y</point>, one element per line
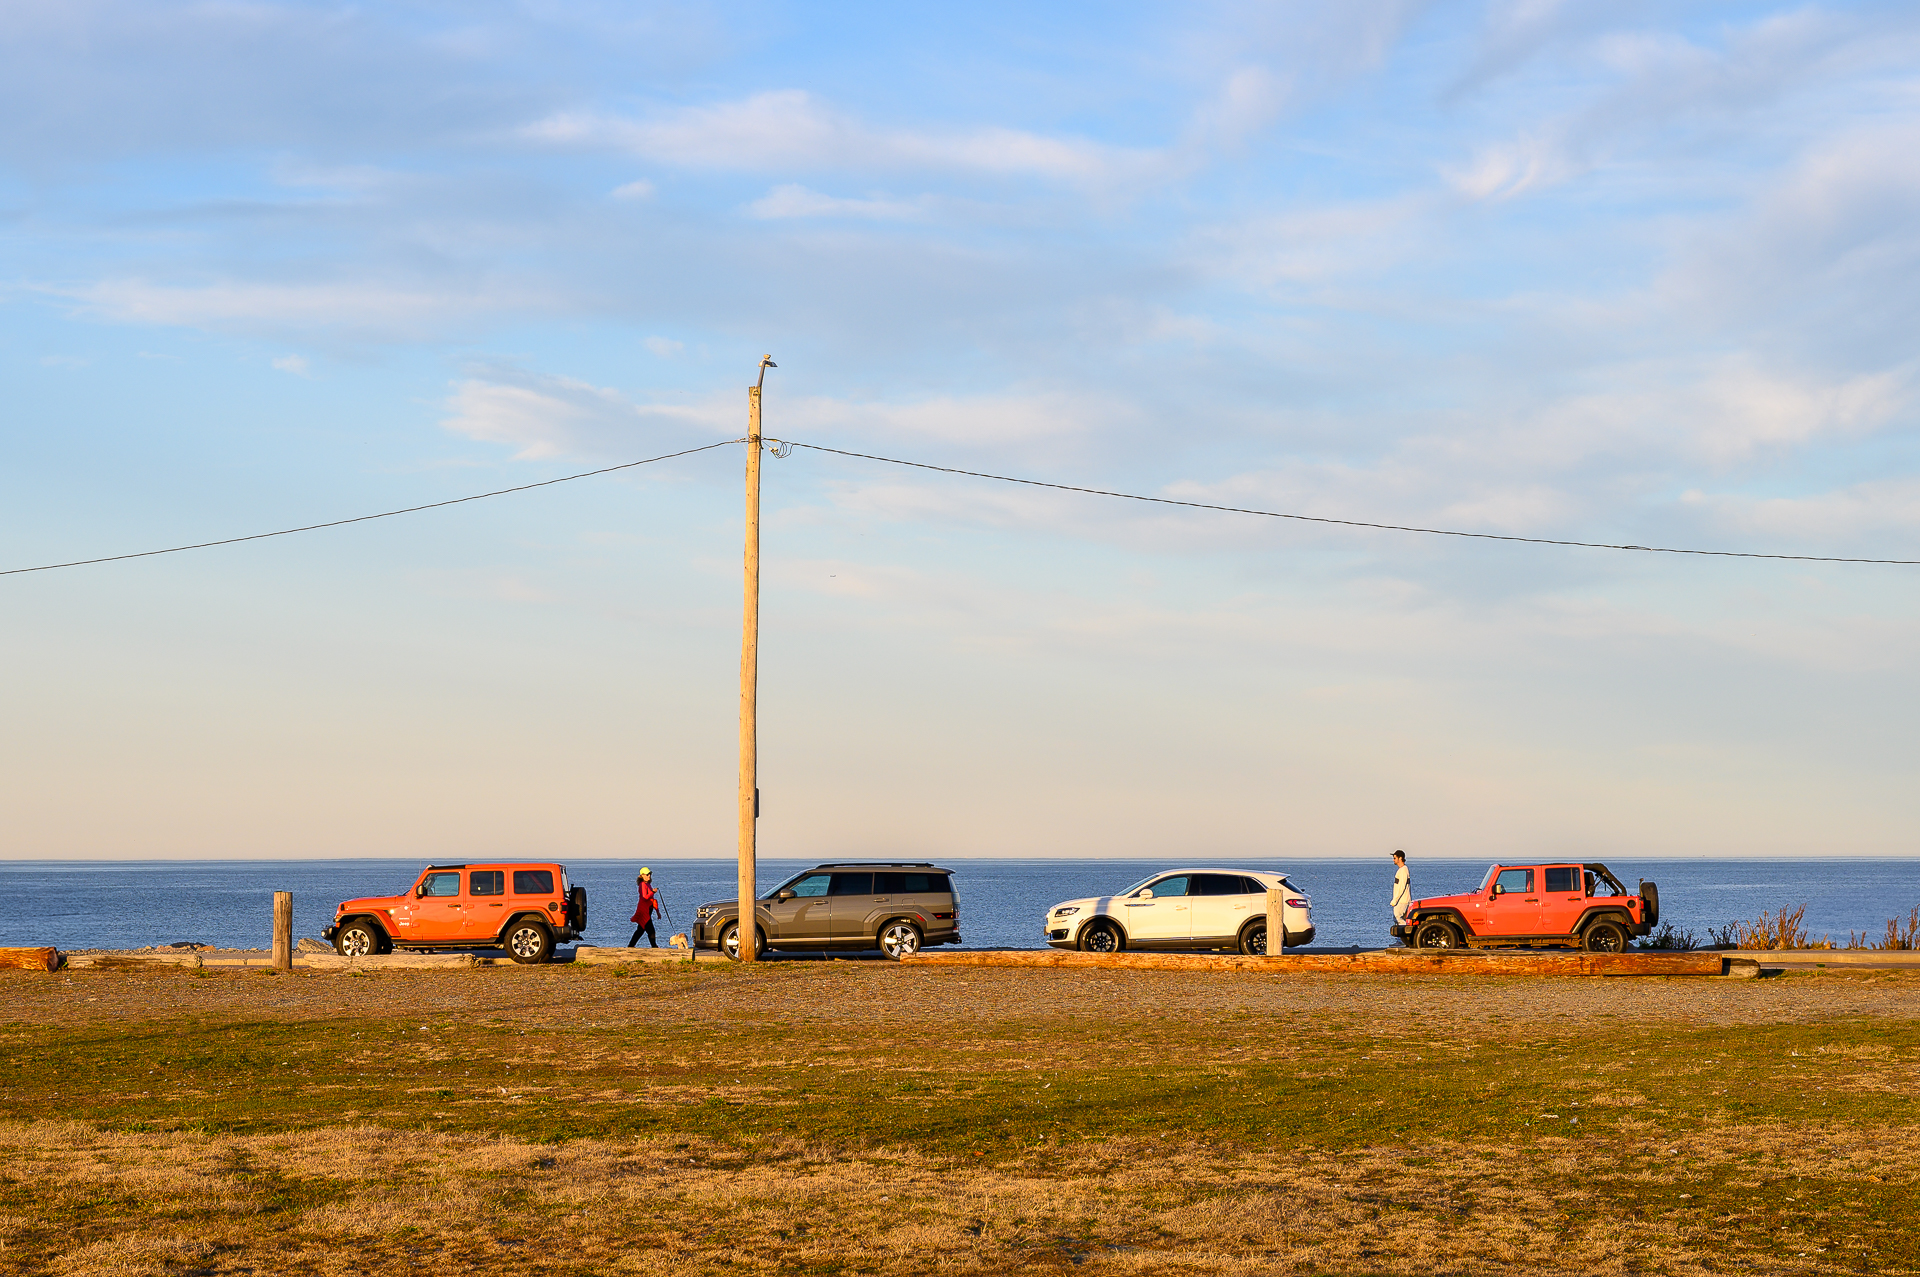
<point>538,915</point>
<point>372,920</point>
<point>1080,936</point>
<point>1454,916</point>
<point>1606,913</point>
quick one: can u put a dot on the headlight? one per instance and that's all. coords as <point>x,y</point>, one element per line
<point>1066,911</point>
<point>706,912</point>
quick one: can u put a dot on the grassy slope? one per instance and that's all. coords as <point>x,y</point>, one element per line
<point>1240,1144</point>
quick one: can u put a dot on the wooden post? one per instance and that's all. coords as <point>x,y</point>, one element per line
<point>1276,920</point>
<point>748,892</point>
<point>283,931</point>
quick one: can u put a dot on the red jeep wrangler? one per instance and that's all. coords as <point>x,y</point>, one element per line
<point>522,908</point>
<point>1581,905</point>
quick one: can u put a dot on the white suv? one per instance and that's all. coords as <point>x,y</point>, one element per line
<point>1182,909</point>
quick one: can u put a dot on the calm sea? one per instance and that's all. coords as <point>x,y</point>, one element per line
<point>96,904</point>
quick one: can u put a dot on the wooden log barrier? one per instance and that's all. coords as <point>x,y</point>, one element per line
<point>608,955</point>
<point>1379,962</point>
<point>47,959</point>
<point>387,961</point>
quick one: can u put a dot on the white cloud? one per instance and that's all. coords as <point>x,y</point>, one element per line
<point>634,191</point>
<point>542,415</point>
<point>295,364</point>
<point>363,307</point>
<point>792,130</point>
<point>797,201</point>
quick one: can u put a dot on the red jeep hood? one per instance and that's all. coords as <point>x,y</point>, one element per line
<point>366,903</point>
<point>1436,902</point>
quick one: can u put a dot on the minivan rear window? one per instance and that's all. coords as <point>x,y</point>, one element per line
<point>533,882</point>
<point>487,882</point>
<point>900,884</point>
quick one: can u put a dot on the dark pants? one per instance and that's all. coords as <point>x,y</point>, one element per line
<point>647,928</point>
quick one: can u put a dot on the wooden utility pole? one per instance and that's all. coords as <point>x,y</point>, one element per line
<point>745,918</point>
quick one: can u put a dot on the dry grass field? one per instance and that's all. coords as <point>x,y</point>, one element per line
<point>855,1117</point>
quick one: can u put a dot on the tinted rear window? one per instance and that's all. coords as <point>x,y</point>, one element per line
<point>533,882</point>
<point>851,885</point>
<point>885,884</point>
<point>487,882</point>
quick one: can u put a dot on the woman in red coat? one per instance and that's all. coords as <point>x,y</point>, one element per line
<point>644,911</point>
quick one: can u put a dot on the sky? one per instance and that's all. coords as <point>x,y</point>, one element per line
<point>1601,271</point>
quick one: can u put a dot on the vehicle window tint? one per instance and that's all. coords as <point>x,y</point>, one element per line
<point>1520,880</point>
<point>533,882</point>
<point>851,885</point>
<point>447,884</point>
<point>1169,887</point>
<point>1213,885</point>
<point>907,884</point>
<point>1252,887</point>
<point>811,885</point>
<point>1567,879</point>
<point>487,882</point>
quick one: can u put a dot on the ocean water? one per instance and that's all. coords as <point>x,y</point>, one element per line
<point>128,904</point>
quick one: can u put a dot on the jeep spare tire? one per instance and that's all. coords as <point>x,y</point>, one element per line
<point>1651,894</point>
<point>577,909</point>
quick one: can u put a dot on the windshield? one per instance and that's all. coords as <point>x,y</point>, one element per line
<point>1488,880</point>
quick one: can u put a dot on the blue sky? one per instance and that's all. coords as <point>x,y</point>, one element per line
<point>1600,271</point>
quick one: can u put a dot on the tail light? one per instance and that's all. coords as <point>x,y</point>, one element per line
<point>1297,903</point>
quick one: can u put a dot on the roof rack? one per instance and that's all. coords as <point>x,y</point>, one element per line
<point>875,864</point>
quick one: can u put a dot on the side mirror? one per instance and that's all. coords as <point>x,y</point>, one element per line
<point>784,895</point>
<point>1498,889</point>
<point>1146,893</point>
<point>420,892</point>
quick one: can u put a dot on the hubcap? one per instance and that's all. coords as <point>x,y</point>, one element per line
<point>525,942</point>
<point>356,943</point>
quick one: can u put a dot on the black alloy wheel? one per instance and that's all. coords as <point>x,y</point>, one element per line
<point>1605,937</point>
<point>1253,941</point>
<point>529,942</point>
<point>1436,935</point>
<point>1100,937</point>
<point>357,940</point>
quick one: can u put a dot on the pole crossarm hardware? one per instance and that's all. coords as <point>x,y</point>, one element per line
<point>746,918</point>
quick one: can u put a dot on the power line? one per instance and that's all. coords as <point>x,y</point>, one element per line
<point>363,518</point>
<point>1358,523</point>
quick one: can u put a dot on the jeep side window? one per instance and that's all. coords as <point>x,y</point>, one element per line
<point>851,884</point>
<point>447,884</point>
<point>1563,880</point>
<point>533,882</point>
<point>811,885</point>
<point>1520,880</point>
<point>487,882</point>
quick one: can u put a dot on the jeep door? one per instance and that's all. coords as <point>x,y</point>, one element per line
<point>802,921</point>
<point>854,909</point>
<point>1563,898</point>
<point>1221,905</point>
<point>486,904</point>
<point>438,913</point>
<point>1160,913</point>
<point>1513,908</point>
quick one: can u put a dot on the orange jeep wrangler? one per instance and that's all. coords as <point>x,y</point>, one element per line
<point>1582,905</point>
<point>524,909</point>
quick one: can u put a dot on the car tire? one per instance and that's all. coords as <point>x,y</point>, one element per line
<point>1605,937</point>
<point>1436,935</point>
<point>529,942</point>
<point>357,940</point>
<point>730,941</point>
<point>899,940</point>
<point>1101,937</point>
<point>1253,940</point>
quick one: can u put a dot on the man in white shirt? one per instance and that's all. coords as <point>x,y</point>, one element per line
<point>1402,888</point>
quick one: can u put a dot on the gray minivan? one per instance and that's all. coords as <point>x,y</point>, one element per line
<point>897,907</point>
